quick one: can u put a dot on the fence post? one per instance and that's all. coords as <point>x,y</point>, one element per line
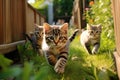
<point>116,15</point>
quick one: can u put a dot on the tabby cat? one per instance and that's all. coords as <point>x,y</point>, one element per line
<point>39,35</point>
<point>36,38</point>
<point>39,38</point>
<point>91,37</point>
<point>56,45</point>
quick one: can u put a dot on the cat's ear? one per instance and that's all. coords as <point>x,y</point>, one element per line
<point>46,27</point>
<point>99,26</point>
<point>38,26</point>
<point>64,27</point>
<point>88,26</point>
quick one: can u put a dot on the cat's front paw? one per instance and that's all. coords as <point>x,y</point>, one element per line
<point>94,52</point>
<point>60,66</point>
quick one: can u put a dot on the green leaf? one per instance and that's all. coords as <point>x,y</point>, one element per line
<point>10,72</point>
<point>103,75</point>
<point>27,71</point>
<point>20,48</point>
<point>4,62</point>
<point>44,73</point>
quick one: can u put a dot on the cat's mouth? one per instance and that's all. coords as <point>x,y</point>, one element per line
<point>94,37</point>
<point>57,45</point>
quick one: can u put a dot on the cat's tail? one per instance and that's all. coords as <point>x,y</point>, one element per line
<point>72,37</point>
<point>32,39</point>
<point>28,37</point>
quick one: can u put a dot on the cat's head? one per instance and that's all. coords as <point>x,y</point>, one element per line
<point>56,35</point>
<point>38,31</point>
<point>94,30</point>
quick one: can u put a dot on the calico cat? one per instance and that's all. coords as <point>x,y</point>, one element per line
<point>91,37</point>
<point>56,45</point>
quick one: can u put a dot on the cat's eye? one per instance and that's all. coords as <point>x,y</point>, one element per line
<point>97,31</point>
<point>42,33</point>
<point>51,37</point>
<point>91,31</point>
<point>61,38</point>
<point>36,32</point>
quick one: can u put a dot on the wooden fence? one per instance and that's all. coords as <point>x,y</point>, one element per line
<point>116,15</point>
<point>16,17</point>
<point>33,16</point>
<point>78,17</point>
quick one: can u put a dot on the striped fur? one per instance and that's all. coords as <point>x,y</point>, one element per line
<point>36,38</point>
<point>71,38</point>
<point>32,39</point>
<point>56,45</point>
<point>39,35</point>
<point>91,37</point>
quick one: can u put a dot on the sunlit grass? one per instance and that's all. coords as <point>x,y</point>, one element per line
<point>84,62</point>
<point>80,65</point>
<point>84,66</point>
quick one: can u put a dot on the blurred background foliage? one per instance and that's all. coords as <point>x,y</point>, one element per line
<point>100,13</point>
<point>41,6</point>
<point>62,8</point>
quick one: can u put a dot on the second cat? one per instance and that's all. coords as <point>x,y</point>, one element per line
<point>91,37</point>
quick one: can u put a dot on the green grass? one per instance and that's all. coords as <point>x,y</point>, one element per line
<point>89,67</point>
<point>80,65</point>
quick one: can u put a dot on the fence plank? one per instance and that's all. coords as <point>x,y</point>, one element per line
<point>78,11</point>
<point>116,14</point>
<point>16,18</point>
<point>5,48</point>
<point>1,21</point>
<point>30,19</point>
<point>33,16</point>
<point>7,25</point>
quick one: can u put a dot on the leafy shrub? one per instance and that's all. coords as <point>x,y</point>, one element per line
<point>100,13</point>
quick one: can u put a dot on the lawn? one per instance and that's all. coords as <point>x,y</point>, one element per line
<point>80,65</point>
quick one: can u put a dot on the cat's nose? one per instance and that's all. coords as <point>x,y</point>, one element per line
<point>56,42</point>
<point>94,34</point>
